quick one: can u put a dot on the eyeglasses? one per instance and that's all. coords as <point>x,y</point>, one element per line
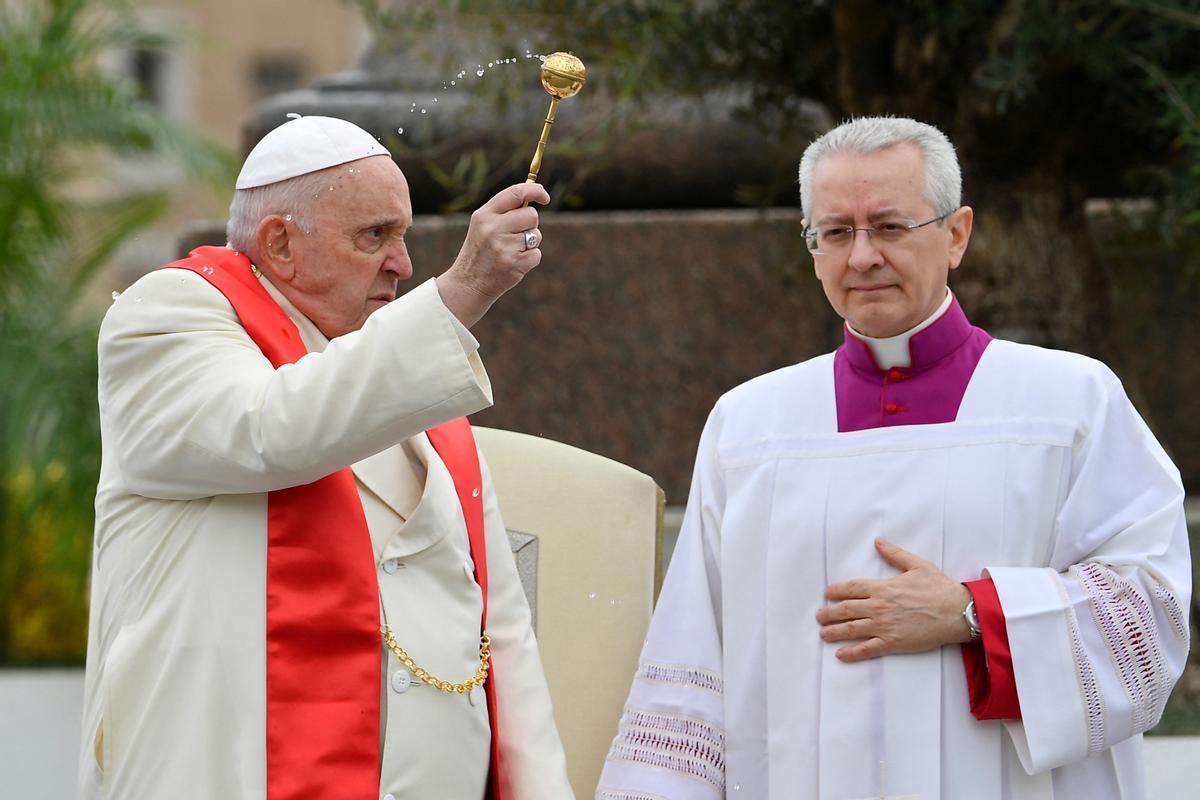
<point>830,239</point>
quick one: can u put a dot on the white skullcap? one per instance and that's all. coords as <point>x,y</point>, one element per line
<point>304,145</point>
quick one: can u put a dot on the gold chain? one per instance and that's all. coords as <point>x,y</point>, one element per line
<point>485,645</point>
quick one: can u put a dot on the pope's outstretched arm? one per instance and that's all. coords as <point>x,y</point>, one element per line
<point>203,412</point>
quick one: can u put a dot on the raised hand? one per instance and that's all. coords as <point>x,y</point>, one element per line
<point>495,255</point>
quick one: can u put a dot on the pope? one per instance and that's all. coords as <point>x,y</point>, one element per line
<point>301,585</point>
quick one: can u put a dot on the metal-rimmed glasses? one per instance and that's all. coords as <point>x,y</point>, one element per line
<point>829,239</point>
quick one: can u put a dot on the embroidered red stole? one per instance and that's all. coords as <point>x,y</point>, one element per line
<point>322,629</point>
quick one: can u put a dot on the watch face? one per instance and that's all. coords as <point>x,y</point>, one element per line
<point>972,618</point>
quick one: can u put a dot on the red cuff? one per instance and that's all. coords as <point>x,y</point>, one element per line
<point>988,661</point>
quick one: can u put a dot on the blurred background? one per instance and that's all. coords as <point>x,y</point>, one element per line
<point>673,249</point>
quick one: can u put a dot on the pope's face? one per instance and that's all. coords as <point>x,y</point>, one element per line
<point>348,267</point>
<point>883,289</point>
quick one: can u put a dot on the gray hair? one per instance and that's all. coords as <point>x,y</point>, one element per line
<point>294,198</point>
<point>943,178</point>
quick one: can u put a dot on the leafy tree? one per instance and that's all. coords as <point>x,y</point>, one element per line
<point>61,120</point>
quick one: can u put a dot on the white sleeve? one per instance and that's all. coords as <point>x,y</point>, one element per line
<point>670,742</point>
<point>190,407</point>
<point>534,766</point>
<point>1100,636</point>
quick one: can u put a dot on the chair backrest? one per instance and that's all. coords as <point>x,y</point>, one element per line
<point>587,532</point>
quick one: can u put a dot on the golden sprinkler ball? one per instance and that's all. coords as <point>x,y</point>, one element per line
<point>563,74</point>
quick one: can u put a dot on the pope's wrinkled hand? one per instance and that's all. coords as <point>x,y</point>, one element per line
<point>918,610</point>
<point>495,255</point>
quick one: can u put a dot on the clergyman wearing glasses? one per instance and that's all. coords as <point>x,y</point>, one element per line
<point>931,564</point>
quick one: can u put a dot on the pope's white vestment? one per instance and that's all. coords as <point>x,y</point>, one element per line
<point>1047,481</point>
<point>197,428</point>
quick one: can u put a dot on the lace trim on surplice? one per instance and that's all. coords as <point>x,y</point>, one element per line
<point>691,747</point>
<point>1174,612</point>
<point>1126,621</point>
<point>1092,699</point>
<point>687,676</point>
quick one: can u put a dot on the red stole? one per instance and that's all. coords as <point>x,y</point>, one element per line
<point>323,639</point>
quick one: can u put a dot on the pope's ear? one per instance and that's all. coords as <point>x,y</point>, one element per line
<point>275,247</point>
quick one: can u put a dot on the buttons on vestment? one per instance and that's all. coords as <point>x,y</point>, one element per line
<point>391,565</point>
<point>401,681</point>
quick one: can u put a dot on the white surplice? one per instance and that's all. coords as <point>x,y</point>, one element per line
<point>1048,481</point>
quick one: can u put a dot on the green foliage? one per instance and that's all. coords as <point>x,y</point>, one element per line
<point>61,119</point>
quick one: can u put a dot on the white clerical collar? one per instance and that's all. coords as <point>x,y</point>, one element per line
<point>893,351</point>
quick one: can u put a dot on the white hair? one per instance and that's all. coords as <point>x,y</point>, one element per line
<point>294,198</point>
<point>943,178</point>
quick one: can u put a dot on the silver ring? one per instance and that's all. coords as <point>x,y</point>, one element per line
<point>532,239</point>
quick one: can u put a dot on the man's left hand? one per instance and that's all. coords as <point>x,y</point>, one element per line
<point>918,610</point>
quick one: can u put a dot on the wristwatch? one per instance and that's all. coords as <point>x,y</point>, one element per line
<point>972,619</point>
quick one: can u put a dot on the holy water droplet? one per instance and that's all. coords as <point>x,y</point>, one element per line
<point>479,72</point>
<point>435,99</point>
<point>424,110</point>
<point>207,270</point>
<point>116,295</point>
<point>491,64</point>
<point>452,83</point>
<point>591,595</point>
<point>399,130</point>
<point>288,217</point>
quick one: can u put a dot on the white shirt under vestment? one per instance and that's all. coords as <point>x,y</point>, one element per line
<point>1047,481</point>
<point>197,428</point>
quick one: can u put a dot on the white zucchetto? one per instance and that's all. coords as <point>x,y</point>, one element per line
<point>304,145</point>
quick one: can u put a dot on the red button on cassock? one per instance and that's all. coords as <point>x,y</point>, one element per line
<point>896,375</point>
<point>891,408</point>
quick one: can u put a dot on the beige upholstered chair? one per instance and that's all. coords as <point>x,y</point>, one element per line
<point>587,534</point>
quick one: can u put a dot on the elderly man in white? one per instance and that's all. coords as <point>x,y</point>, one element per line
<point>301,583</point>
<point>929,565</point>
